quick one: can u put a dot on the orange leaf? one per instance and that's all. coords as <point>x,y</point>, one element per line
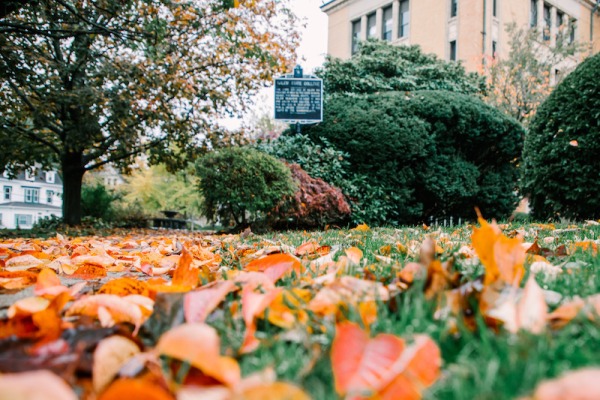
<point>382,367</point>
<point>109,309</point>
<point>89,271</point>
<point>125,287</point>
<point>197,305</point>
<point>275,265</point>
<point>359,363</point>
<point>253,304</point>
<point>199,344</point>
<point>275,391</point>
<point>502,257</point>
<point>185,274</point>
<point>16,279</point>
<point>126,388</point>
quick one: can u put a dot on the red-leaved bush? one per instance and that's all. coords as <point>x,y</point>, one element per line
<point>314,204</point>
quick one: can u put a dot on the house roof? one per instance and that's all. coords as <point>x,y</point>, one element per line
<point>21,204</point>
<point>40,177</point>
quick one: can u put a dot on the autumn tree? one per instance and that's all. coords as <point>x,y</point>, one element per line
<point>84,84</point>
<point>522,80</point>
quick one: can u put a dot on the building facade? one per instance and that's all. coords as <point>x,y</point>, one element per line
<point>465,30</point>
<point>30,196</point>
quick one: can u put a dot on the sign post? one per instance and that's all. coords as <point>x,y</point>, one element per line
<point>299,99</point>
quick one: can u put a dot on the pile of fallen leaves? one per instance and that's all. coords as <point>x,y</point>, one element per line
<point>131,316</point>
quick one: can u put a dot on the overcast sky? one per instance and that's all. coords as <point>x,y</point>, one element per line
<point>311,52</point>
<point>314,35</point>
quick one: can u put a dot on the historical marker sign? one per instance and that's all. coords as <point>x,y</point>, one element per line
<point>299,100</point>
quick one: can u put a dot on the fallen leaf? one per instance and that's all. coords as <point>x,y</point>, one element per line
<point>275,265</point>
<point>253,304</point>
<point>34,385</point>
<point>574,385</point>
<point>199,345</point>
<point>110,355</point>
<point>127,388</point>
<point>198,304</point>
<point>383,367</point>
<point>109,309</point>
<point>185,274</point>
<point>17,279</point>
<point>20,263</point>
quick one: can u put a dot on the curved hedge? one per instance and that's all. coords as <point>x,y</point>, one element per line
<point>424,154</point>
<point>562,150</point>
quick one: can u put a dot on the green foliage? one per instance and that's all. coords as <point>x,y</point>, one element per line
<point>84,84</point>
<point>154,189</point>
<point>98,202</point>
<point>561,154</point>
<point>423,154</point>
<point>236,181</point>
<point>379,66</point>
<point>318,160</point>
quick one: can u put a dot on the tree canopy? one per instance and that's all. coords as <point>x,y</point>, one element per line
<point>523,79</point>
<point>89,83</point>
<point>379,67</point>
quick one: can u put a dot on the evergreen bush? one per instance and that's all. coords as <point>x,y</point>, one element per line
<point>242,184</point>
<point>561,157</point>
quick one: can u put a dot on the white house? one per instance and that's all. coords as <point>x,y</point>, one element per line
<point>30,196</point>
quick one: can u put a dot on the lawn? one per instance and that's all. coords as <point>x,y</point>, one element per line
<point>281,304</point>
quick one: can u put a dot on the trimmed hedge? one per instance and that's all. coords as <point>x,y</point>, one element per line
<point>423,154</point>
<point>238,183</point>
<point>561,167</point>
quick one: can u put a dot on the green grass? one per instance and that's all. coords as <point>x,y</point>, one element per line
<point>480,364</point>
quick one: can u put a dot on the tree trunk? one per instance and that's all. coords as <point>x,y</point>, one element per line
<point>73,171</point>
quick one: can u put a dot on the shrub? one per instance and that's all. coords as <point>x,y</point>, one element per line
<point>379,66</point>
<point>239,181</point>
<point>561,154</point>
<point>318,160</point>
<point>97,202</point>
<point>423,154</point>
<point>314,204</point>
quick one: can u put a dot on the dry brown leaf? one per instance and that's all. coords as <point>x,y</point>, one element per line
<point>110,355</point>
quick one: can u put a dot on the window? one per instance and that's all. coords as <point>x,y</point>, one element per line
<point>49,196</point>
<point>547,22</point>
<point>453,8</point>
<point>355,35</point>
<point>534,14</point>
<point>572,29</point>
<point>404,19</point>
<point>386,33</point>
<point>372,26</point>
<point>7,192</point>
<point>30,175</point>
<point>32,195</point>
<point>453,50</point>
<point>494,49</point>
<point>560,19</point>
<point>50,176</point>
<point>495,8</point>
<point>23,219</point>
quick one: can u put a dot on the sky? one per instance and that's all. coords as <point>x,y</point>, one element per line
<point>313,44</point>
<point>311,52</point>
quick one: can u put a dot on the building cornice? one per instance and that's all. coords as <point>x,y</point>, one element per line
<point>332,5</point>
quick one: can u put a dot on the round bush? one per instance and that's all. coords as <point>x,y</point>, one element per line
<point>561,157</point>
<point>424,154</point>
<point>238,183</point>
